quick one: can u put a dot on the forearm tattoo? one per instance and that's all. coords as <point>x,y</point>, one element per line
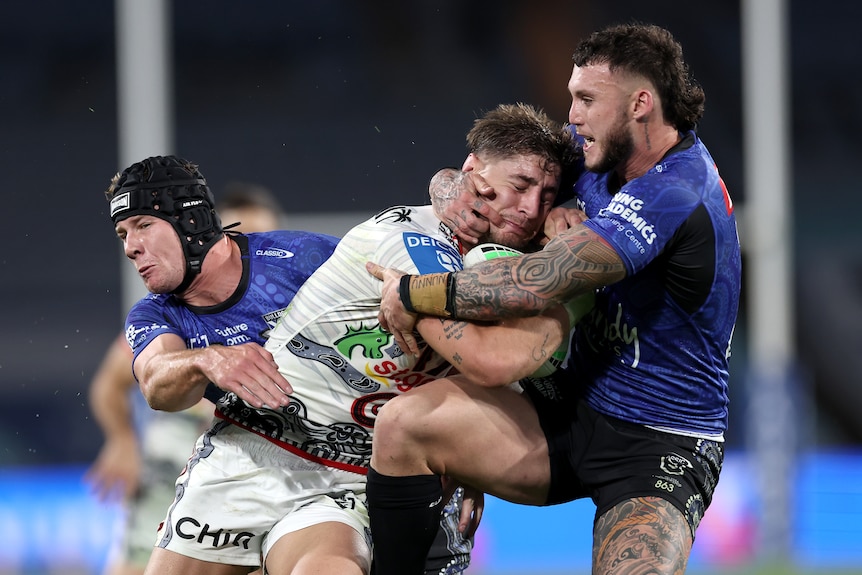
<point>454,330</point>
<point>641,536</point>
<point>571,264</point>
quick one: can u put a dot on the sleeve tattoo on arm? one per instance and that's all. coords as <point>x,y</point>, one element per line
<point>570,265</point>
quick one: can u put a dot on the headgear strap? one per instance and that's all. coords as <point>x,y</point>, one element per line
<point>174,190</point>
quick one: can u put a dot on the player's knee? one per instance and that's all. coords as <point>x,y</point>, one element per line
<point>391,417</point>
<point>398,421</point>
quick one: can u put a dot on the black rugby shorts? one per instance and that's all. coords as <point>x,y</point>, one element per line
<point>610,461</point>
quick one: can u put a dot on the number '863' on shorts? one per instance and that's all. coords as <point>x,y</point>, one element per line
<point>610,461</point>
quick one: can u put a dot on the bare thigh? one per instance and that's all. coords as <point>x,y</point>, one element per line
<point>323,549</point>
<point>164,562</point>
<point>641,535</point>
<point>489,438</point>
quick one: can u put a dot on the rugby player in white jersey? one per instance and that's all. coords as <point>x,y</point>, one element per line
<point>342,366</point>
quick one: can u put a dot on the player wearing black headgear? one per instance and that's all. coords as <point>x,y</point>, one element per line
<point>174,190</point>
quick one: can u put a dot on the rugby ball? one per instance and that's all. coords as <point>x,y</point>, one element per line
<point>486,252</point>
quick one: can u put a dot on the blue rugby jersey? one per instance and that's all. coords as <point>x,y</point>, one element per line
<point>275,265</point>
<point>655,348</point>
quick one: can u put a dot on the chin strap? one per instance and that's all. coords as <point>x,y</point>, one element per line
<point>171,189</point>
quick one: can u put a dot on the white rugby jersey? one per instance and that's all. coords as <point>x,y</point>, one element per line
<point>330,347</point>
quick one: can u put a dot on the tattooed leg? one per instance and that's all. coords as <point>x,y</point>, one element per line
<point>641,536</point>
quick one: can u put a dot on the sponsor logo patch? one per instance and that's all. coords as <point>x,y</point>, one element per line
<point>625,209</point>
<point>136,335</point>
<point>275,253</point>
<point>119,203</point>
<point>190,203</point>
<point>430,255</point>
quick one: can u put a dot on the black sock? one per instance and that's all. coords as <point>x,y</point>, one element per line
<point>405,516</point>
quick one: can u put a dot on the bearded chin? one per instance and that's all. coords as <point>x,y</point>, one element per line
<point>619,148</point>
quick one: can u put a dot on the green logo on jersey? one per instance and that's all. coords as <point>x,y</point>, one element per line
<point>370,340</point>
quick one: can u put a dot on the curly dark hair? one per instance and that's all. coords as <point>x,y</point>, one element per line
<point>652,52</point>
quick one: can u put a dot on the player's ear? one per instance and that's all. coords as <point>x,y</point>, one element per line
<point>643,104</point>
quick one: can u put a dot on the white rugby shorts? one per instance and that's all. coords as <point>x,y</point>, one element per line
<point>240,493</point>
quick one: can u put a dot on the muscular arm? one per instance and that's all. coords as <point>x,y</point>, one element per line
<point>174,378</point>
<point>496,354</point>
<point>571,264</point>
<point>574,263</point>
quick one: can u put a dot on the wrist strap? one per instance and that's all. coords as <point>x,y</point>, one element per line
<point>404,292</point>
<point>432,294</point>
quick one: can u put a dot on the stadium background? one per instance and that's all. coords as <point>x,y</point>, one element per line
<point>343,108</point>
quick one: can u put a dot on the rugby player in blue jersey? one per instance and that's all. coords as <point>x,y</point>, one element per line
<point>636,419</point>
<point>145,449</point>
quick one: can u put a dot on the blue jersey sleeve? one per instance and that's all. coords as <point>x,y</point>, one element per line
<point>640,219</point>
<point>275,265</point>
<point>148,319</point>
